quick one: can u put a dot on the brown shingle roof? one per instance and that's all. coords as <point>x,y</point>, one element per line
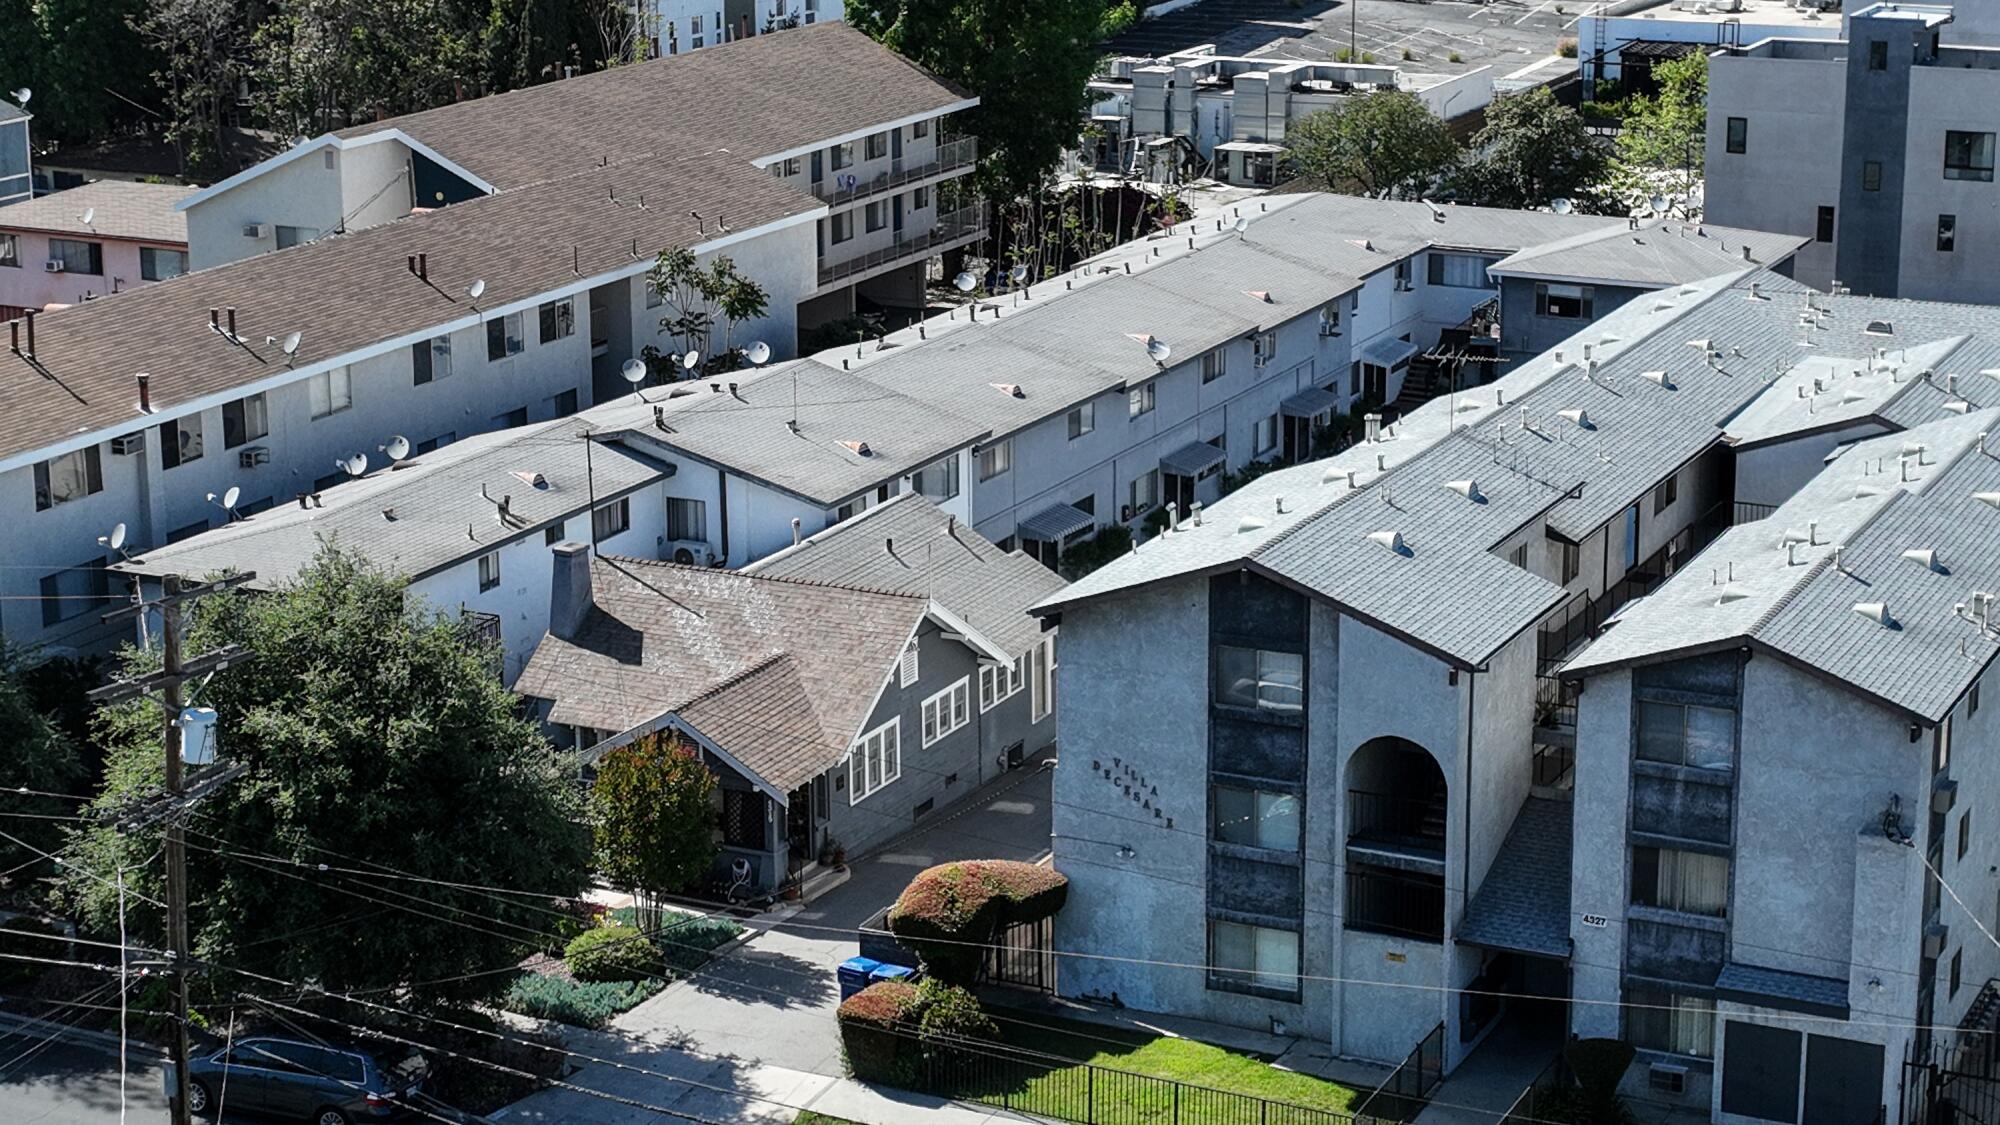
<point>352,291</point>
<point>754,97</point>
<point>124,209</point>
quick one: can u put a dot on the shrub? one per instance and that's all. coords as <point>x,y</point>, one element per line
<point>948,1011</point>
<point>1455,57</point>
<point>14,973</point>
<point>873,1028</point>
<point>1566,48</point>
<point>688,945</point>
<point>610,953</point>
<point>1599,1065</point>
<point>948,913</point>
<point>584,1004</point>
<point>1108,544</point>
<point>1408,55</point>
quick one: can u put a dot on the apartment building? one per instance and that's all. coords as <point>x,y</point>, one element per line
<point>1878,146</point>
<point>1227,116</point>
<point>877,156</point>
<point>1359,816</point>
<point>1623,42</point>
<point>89,242</point>
<point>674,26</point>
<point>1784,774</point>
<point>16,158</point>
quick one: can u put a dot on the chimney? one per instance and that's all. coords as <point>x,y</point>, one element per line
<point>1373,424</point>
<point>424,267</point>
<point>145,392</point>
<point>230,312</point>
<point>28,316</point>
<point>569,588</point>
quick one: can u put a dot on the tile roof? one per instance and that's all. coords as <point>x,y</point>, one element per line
<point>1657,254</point>
<point>441,516</point>
<point>752,98</point>
<point>1776,584</point>
<point>910,546</point>
<point>350,292</point>
<point>123,209</point>
<point>1785,991</point>
<point>1523,903</point>
<point>783,672</point>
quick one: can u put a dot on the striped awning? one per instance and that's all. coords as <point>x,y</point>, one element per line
<point>1388,351</point>
<point>1192,459</point>
<point>1051,524</point>
<point>1309,403</point>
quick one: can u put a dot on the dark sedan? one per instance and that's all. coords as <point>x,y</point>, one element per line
<point>324,1084</point>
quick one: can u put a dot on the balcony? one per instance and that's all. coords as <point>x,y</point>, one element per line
<point>960,226</point>
<point>952,157</point>
<point>1395,903</point>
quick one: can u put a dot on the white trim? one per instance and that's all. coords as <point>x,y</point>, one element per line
<point>843,138</point>
<point>969,637</point>
<point>285,376</point>
<point>947,712</point>
<point>1010,679</point>
<point>856,754</point>
<point>340,144</point>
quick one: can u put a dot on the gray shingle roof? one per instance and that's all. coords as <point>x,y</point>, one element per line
<point>909,546</point>
<point>11,112</point>
<point>441,518</point>
<point>752,97</point>
<point>780,673</point>
<point>1660,253</point>
<point>122,209</point>
<point>1786,991</point>
<point>1523,903</point>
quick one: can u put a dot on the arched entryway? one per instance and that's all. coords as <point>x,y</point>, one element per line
<point>1398,817</point>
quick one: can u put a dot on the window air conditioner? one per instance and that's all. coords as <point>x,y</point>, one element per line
<point>250,456</point>
<point>256,230</point>
<point>1666,1078</point>
<point>54,265</point>
<point>690,552</point>
<point>124,445</point>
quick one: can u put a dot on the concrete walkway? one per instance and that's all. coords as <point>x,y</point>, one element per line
<point>1485,1085</point>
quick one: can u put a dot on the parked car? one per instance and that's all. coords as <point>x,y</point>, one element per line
<point>323,1084</point>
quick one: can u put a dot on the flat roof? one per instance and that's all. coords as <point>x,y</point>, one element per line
<point>1502,36</point>
<point>121,209</point>
<point>1761,13</point>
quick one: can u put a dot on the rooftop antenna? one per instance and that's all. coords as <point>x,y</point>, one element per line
<point>1658,204</point>
<point>397,449</point>
<point>115,541</point>
<point>227,501</point>
<point>476,290</point>
<point>634,371</point>
<point>759,354</point>
<point>965,282</point>
<point>1559,206</point>
<point>89,216</point>
<point>1241,225</point>
<point>1017,273</point>
<point>690,360</point>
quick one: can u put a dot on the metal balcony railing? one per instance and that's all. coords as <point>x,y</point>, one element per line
<point>1415,822</point>
<point>962,223</point>
<point>1388,902</point>
<point>951,156</point>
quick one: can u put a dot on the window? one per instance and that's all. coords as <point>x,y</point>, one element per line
<point>920,199</point>
<point>558,319</point>
<point>1738,136</point>
<point>1457,271</point>
<point>1947,236</point>
<point>842,224</point>
<point>996,459</point>
<point>920,129</point>
<point>1691,882</point>
<point>1823,230</point>
<point>1083,419</point>
<point>1256,818</point>
<point>1145,491</point>
<point>1968,156</point>
<point>1260,678</point>
<point>1964,832</point>
<point>10,250</point>
<point>1263,348</point>
<point>1658,1020</point>
<point>1878,54</point>
<point>430,359</point>
<point>1253,955</point>
<point>503,336</point>
<point>180,441</point>
<point>1042,679</point>
<point>1265,436</point>
<point>790,166</point>
<point>947,711</point>
<point>244,420</point>
<point>687,519</point>
<point>937,481</point>
<point>843,155</point>
<point>608,520</point>
<point>1665,493</point>
<point>158,264</point>
<point>877,146</point>
<point>1687,734</point>
<point>293,236</point>
<point>876,215</point>
<point>653,298</point>
<point>1000,682</point>
<point>1957,971</point>
<point>77,257</point>
<point>1214,364</point>
<point>330,392</point>
<point>72,476</point>
<point>1565,302</point>
<point>74,591</point>
<point>552,534</point>
<point>431,444</point>
<point>1519,555</point>
<point>875,761</point>
<point>743,818</point>
<point>1871,175</point>
<point>1142,398</point>
<point>1572,561</point>
<point>489,571</point>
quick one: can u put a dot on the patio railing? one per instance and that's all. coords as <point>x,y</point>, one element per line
<point>966,222</point>
<point>1406,1091</point>
<point>952,155</point>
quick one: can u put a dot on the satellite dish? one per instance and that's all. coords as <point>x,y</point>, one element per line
<point>691,359</point>
<point>22,95</point>
<point>355,465</point>
<point>291,343</point>
<point>1325,315</point>
<point>398,448</point>
<point>1561,206</point>
<point>1240,225</point>
<point>477,289</point>
<point>1017,274</point>
<point>89,215</point>
<point>230,496</point>
<point>1158,350</point>
<point>1658,203</point>
<point>115,540</point>
<point>760,353</point>
<point>634,371</point>
<point>965,282</point>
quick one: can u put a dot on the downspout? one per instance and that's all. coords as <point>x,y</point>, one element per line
<point>1465,862</point>
<point>722,490</point>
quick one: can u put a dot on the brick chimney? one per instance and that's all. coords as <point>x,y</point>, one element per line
<point>569,589</point>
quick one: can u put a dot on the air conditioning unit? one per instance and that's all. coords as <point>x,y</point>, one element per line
<point>251,456</point>
<point>690,552</point>
<point>256,230</point>
<point>124,445</point>
<point>1666,1078</point>
<point>54,265</point>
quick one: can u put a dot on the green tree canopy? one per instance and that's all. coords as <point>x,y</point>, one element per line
<point>655,824</point>
<point>697,299</point>
<point>1028,60</point>
<point>1387,144</point>
<point>1533,149</point>
<point>1660,148</point>
<point>376,736</point>
<point>323,64</point>
<point>39,756</point>
<point>92,62</point>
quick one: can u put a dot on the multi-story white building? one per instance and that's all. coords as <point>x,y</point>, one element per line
<point>671,27</point>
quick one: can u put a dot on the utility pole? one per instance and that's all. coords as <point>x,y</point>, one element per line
<point>177,799</point>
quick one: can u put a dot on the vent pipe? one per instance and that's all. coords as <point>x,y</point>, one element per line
<point>795,532</point>
<point>1372,424</point>
<point>145,392</point>
<point>28,318</point>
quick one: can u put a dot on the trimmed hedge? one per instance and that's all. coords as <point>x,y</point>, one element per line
<point>611,953</point>
<point>687,946</point>
<point>949,913</point>
<point>575,1002</point>
<point>885,1028</point>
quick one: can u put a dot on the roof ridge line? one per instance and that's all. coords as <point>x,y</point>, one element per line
<point>1819,566</point>
<point>790,580</point>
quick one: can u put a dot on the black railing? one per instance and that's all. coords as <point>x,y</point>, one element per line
<point>1387,818</point>
<point>1555,703</point>
<point>1023,955</point>
<point>1582,617</point>
<point>1392,902</point>
<point>1553,764</point>
<point>1745,512</point>
<point>1545,1097</point>
<point>1406,1091</point>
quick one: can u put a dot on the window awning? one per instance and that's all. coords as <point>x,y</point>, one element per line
<point>1309,403</point>
<point>1192,459</point>
<point>1388,352</point>
<point>1248,146</point>
<point>1051,524</point>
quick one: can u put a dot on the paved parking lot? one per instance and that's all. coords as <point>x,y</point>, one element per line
<point>1506,35</point>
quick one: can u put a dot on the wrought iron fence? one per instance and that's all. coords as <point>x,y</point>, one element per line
<point>1391,902</point>
<point>1542,1095</point>
<point>1023,955</point>
<point>1406,1091</point>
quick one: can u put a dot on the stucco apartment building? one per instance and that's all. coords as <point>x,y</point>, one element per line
<point>89,242</point>
<point>674,26</point>
<point>16,158</point>
<point>1360,821</point>
<point>873,156</point>
<point>1878,146</point>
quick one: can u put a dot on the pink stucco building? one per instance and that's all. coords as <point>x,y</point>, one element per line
<point>89,242</point>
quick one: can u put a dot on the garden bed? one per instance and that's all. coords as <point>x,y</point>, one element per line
<point>546,989</point>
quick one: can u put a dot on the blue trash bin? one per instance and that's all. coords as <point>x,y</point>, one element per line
<point>855,974</point>
<point>893,972</point>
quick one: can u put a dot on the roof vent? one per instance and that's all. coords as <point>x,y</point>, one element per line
<point>1468,489</point>
<point>1990,499</point>
<point>1263,295</point>
<point>858,448</point>
<point>1959,407</point>
<point>1657,377</point>
<point>1393,540</point>
<point>1579,417</point>
<point>1011,390</point>
<point>1728,596</point>
<point>1926,557</point>
<point>1879,328</point>
<point>1252,523</point>
<point>1878,612</point>
<point>1364,243</point>
<point>531,479</point>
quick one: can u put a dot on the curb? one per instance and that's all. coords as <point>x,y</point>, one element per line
<point>12,1024</point>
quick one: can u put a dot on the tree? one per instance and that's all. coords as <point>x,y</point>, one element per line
<point>200,46</point>
<point>95,71</point>
<point>655,821</point>
<point>376,736</point>
<point>324,64</point>
<point>696,297</point>
<point>41,757</point>
<point>1028,60</point>
<point>1387,145</point>
<point>531,41</point>
<point>1533,149</point>
<point>1660,148</point>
